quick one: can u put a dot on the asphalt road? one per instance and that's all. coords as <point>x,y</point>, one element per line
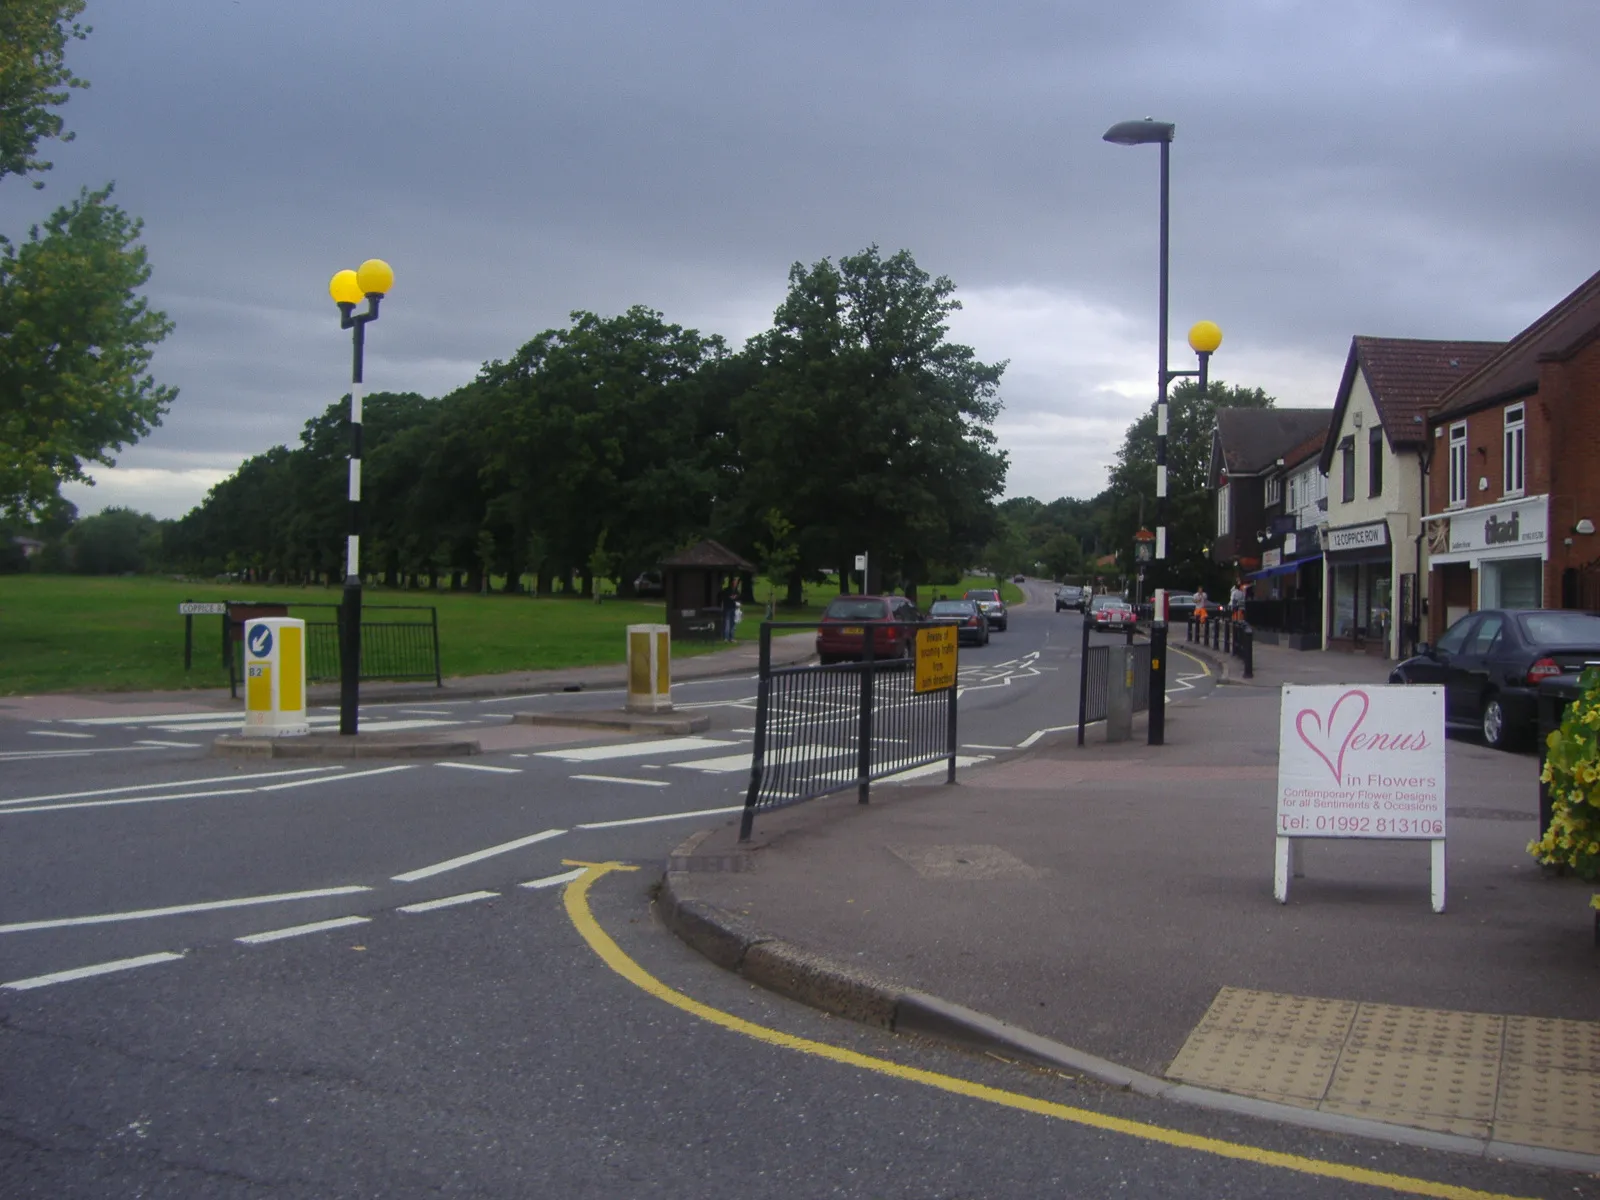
<point>221,979</point>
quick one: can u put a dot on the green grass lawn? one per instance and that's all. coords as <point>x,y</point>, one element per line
<point>84,633</point>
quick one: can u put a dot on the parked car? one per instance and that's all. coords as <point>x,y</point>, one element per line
<point>1491,663</point>
<point>648,585</point>
<point>993,607</point>
<point>1111,612</point>
<point>971,625</point>
<point>1069,595</point>
<point>843,632</point>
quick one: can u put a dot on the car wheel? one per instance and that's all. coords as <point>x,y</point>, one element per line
<point>1497,732</point>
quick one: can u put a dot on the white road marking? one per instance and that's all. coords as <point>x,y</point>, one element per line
<point>730,762</point>
<point>481,767</point>
<point>339,778</point>
<point>623,779</point>
<point>981,746</point>
<point>57,733</point>
<point>939,768</point>
<point>1039,733</point>
<point>475,856</point>
<point>147,787</point>
<point>105,968</point>
<point>636,749</point>
<point>554,880</point>
<point>208,715</point>
<point>119,802</point>
<point>19,755</point>
<point>174,745</point>
<point>704,812</point>
<point>175,910</point>
<point>274,935</point>
<point>446,902</point>
<point>428,712</point>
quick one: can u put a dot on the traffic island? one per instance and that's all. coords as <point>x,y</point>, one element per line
<point>626,722</point>
<point>333,745</point>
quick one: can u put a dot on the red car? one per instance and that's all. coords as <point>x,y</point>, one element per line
<point>1111,612</point>
<point>892,619</point>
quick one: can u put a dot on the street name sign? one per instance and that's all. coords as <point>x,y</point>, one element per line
<point>1361,762</point>
<point>191,608</point>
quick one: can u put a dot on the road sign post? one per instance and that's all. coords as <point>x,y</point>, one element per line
<point>275,677</point>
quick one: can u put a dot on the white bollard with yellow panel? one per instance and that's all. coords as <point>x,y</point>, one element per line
<point>649,668</point>
<point>275,678</point>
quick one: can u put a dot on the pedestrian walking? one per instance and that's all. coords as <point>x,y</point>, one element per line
<point>1236,598</point>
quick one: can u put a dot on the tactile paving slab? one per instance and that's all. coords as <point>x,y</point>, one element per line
<point>1528,1080</point>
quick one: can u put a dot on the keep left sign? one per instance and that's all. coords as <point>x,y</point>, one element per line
<point>1361,761</point>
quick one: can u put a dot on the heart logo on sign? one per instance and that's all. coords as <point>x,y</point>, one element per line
<point>1329,738</point>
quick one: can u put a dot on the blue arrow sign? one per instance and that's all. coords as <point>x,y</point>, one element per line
<point>260,640</point>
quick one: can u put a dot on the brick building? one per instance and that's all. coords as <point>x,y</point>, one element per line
<point>1374,456</point>
<point>1247,451</point>
<point>1514,481</point>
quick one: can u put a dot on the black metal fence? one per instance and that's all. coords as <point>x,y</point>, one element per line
<point>407,648</point>
<point>821,729</point>
<point>1235,637</point>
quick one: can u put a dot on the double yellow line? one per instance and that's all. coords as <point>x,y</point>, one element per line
<point>576,899</point>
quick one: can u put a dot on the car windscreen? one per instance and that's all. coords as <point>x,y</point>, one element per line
<point>1560,628</point>
<point>990,594</point>
<point>951,608</point>
<point>850,608</point>
<point>1109,602</point>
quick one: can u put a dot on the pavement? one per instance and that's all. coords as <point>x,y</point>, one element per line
<point>1108,910</point>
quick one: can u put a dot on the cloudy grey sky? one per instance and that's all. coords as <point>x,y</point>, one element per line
<point>1407,168</point>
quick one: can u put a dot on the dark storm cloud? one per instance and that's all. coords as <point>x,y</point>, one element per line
<point>1418,169</point>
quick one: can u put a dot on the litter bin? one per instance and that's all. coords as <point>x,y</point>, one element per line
<point>1555,694</point>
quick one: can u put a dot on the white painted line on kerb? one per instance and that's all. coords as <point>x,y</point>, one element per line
<point>636,749</point>
<point>176,910</point>
<point>623,779</point>
<point>150,787</point>
<point>475,856</point>
<point>105,968</point>
<point>704,812</point>
<point>57,733</point>
<point>1039,733</point>
<point>554,880</point>
<point>447,902</point>
<point>277,935</point>
<point>480,767</point>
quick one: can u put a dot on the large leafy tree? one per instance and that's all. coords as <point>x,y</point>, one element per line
<point>1191,513</point>
<point>75,345</point>
<point>865,426</point>
<point>35,79</point>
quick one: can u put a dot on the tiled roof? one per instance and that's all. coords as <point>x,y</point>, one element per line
<point>708,554</point>
<point>1406,377</point>
<point>1307,449</point>
<point>1515,369</point>
<point>1253,439</point>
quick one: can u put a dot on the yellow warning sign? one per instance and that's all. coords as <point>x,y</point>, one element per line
<point>936,658</point>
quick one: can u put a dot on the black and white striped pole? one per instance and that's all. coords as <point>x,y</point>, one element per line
<point>371,280</point>
<point>1204,338</point>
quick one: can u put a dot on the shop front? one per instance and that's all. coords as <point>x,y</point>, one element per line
<point>1285,601</point>
<point>1359,588</point>
<point>1492,556</point>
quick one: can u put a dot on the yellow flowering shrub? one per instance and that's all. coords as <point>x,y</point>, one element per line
<point>1572,772</point>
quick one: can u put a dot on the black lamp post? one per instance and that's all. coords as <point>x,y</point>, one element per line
<point>1205,337</point>
<point>372,280</point>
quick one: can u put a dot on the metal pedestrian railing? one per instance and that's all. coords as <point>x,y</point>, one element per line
<point>822,729</point>
<point>405,648</point>
<point>1236,637</point>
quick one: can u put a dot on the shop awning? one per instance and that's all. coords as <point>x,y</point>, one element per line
<point>1287,568</point>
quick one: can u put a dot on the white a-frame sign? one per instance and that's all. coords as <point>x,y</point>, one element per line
<point>1361,762</point>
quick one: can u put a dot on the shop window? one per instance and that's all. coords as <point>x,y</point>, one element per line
<point>1347,451</point>
<point>1514,449</point>
<point>1458,464</point>
<point>1512,583</point>
<point>1375,461</point>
